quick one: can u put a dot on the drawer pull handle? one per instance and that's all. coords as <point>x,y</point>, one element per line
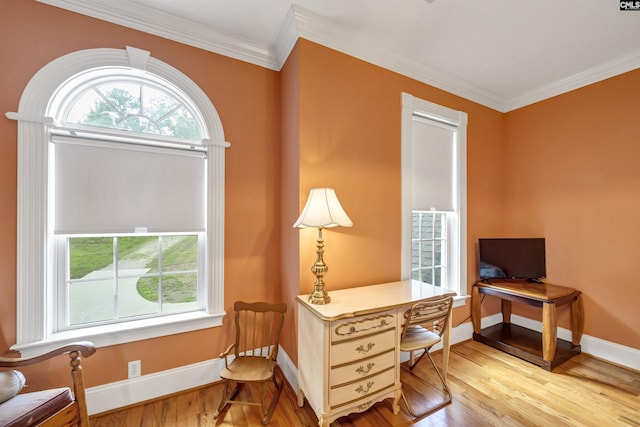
<point>362,390</point>
<point>362,370</point>
<point>363,349</point>
<point>360,326</point>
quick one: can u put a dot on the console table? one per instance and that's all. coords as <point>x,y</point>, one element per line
<point>543,349</point>
<point>349,350</point>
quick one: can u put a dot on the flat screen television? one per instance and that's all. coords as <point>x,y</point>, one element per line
<point>514,258</point>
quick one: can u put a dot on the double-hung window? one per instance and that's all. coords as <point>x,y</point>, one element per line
<point>433,194</point>
<point>125,219</point>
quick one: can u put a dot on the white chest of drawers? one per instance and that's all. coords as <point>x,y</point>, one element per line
<point>348,357</point>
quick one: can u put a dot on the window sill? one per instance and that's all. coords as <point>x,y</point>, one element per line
<point>460,300</point>
<point>121,333</point>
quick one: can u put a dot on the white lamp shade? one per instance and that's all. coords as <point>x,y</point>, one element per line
<point>323,210</point>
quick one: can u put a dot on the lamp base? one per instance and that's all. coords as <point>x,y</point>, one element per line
<point>319,297</point>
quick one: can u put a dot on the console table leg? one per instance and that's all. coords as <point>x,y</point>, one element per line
<point>475,309</point>
<point>549,331</point>
<point>577,320</point>
<point>506,311</point>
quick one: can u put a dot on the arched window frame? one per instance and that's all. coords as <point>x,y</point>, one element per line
<point>35,263</point>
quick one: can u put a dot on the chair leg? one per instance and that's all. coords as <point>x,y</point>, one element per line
<point>267,412</point>
<point>445,387</point>
<point>227,396</point>
<point>413,362</point>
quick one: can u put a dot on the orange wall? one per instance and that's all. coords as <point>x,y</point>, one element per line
<point>290,206</point>
<point>349,138</point>
<point>574,178</point>
<point>33,34</point>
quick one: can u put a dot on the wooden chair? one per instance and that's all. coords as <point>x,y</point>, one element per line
<point>49,408</point>
<point>423,327</point>
<point>252,358</point>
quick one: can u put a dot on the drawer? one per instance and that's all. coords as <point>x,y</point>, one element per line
<point>362,368</point>
<point>341,395</point>
<point>365,347</point>
<point>364,325</point>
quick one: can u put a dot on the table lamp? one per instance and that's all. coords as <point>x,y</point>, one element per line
<point>323,210</point>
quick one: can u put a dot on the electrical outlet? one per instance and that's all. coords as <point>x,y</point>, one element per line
<point>135,369</point>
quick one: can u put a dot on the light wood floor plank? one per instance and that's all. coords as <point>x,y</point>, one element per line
<point>489,388</point>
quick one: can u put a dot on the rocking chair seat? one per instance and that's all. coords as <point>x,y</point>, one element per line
<point>30,409</point>
<point>248,369</point>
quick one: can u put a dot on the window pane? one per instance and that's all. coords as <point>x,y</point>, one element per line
<point>437,277</point>
<point>137,255</point>
<point>438,252</point>
<point>133,302</point>
<point>156,103</point>
<point>427,276</point>
<point>133,106</point>
<point>427,226</point>
<point>179,289</point>
<point>90,109</point>
<point>90,254</point>
<point>95,295</point>
<point>180,124</point>
<point>179,253</point>
<point>92,300</point>
<point>439,225</point>
<point>123,96</point>
<point>139,124</point>
<point>415,255</point>
<point>426,254</point>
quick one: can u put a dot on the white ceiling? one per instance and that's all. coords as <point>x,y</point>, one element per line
<point>500,53</point>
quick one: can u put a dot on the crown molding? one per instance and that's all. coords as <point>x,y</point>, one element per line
<point>301,23</point>
<point>376,51</point>
<point>134,15</point>
<point>599,72</point>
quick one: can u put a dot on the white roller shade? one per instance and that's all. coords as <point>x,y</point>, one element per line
<point>112,187</point>
<point>433,165</point>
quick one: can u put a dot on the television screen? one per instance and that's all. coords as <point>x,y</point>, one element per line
<point>522,258</point>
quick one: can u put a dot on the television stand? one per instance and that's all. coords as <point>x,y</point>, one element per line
<point>543,349</point>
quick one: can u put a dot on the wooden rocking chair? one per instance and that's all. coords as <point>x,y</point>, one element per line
<point>252,358</point>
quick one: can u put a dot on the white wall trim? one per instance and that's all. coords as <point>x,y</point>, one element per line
<point>301,23</point>
<point>123,393</point>
<point>136,390</point>
<point>129,392</point>
<point>599,72</point>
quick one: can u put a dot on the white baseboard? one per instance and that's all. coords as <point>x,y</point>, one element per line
<point>128,392</point>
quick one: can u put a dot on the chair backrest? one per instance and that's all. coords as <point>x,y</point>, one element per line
<point>432,315</point>
<point>258,327</point>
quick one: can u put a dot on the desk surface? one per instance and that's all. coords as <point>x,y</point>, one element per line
<point>544,292</point>
<point>352,302</point>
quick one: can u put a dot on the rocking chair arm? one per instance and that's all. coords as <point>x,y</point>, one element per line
<point>225,354</point>
<point>273,354</point>
<point>85,348</point>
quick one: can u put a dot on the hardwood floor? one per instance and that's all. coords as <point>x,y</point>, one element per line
<point>489,388</point>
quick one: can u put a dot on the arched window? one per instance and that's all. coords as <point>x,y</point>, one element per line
<point>120,202</point>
